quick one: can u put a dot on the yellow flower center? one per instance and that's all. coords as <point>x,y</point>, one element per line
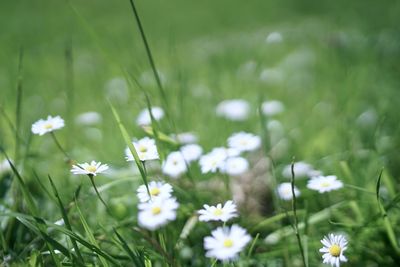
<point>156,210</point>
<point>142,149</point>
<point>325,184</point>
<point>218,212</point>
<point>228,243</point>
<point>91,168</point>
<point>335,250</point>
<point>154,191</point>
<point>48,126</point>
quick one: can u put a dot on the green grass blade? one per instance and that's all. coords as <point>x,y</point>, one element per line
<point>136,256</point>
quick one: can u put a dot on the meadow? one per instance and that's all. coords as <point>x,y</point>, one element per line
<point>223,133</point>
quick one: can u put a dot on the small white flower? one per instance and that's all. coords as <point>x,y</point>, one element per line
<point>234,109</point>
<point>215,160</point>
<point>93,168</point>
<point>48,125</point>
<point>274,37</point>
<point>285,191</point>
<point>219,212</point>
<point>226,243</point>
<point>157,190</point>
<point>146,149</point>
<point>244,141</point>
<point>271,76</point>
<point>144,116</point>
<point>235,166</point>
<point>301,169</point>
<point>191,152</point>
<point>156,213</point>
<point>175,165</point>
<point>273,107</point>
<point>186,138</point>
<point>334,247</point>
<point>324,184</point>
<point>88,118</point>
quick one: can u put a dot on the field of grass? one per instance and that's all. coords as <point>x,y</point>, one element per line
<point>333,65</point>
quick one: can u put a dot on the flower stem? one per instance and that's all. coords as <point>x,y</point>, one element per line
<point>59,146</point>
<point>98,194</point>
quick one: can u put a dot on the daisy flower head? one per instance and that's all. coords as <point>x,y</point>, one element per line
<point>226,243</point>
<point>185,138</point>
<point>219,212</point>
<point>144,115</point>
<point>233,109</point>
<point>48,125</point>
<point>301,169</point>
<point>191,152</point>
<point>243,141</point>
<point>334,247</point>
<point>272,107</point>
<point>92,169</point>
<point>324,184</point>
<point>235,166</point>
<point>211,162</point>
<point>157,190</point>
<point>174,165</point>
<point>146,149</point>
<point>274,37</point>
<point>157,212</point>
<point>284,191</point>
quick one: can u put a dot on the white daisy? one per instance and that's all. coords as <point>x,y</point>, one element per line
<point>144,116</point>
<point>215,160</point>
<point>244,141</point>
<point>324,184</point>
<point>233,109</point>
<point>273,107</point>
<point>157,190</point>
<point>274,37</point>
<point>174,165</point>
<point>301,169</point>
<point>146,149</point>
<point>285,191</point>
<point>235,166</point>
<point>219,212</point>
<point>93,168</point>
<point>48,125</point>
<point>334,247</point>
<point>88,118</point>
<point>226,243</point>
<point>186,138</point>
<point>191,152</point>
<point>156,213</point>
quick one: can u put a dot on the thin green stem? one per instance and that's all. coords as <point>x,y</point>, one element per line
<point>98,194</point>
<point>59,146</point>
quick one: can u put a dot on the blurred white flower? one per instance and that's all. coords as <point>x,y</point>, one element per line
<point>144,116</point>
<point>93,168</point>
<point>5,166</point>
<point>271,76</point>
<point>334,247</point>
<point>233,109</point>
<point>174,165</point>
<point>272,107</point>
<point>215,160</point>
<point>285,191</point>
<point>50,124</point>
<point>368,118</point>
<point>157,190</point>
<point>191,152</point>
<point>274,37</point>
<point>116,89</point>
<point>235,166</point>
<point>226,243</point>
<point>324,184</point>
<point>301,170</point>
<point>244,141</point>
<point>88,118</point>
<point>219,212</point>
<point>146,149</point>
<point>147,78</point>
<point>186,138</point>
<point>156,213</point>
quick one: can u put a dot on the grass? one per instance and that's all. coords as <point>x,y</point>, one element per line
<point>339,83</point>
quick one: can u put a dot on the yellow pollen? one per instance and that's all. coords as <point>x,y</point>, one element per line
<point>325,184</point>
<point>142,149</point>
<point>91,168</point>
<point>48,126</point>
<point>156,210</point>
<point>218,212</point>
<point>228,243</point>
<point>154,191</point>
<point>334,250</point>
